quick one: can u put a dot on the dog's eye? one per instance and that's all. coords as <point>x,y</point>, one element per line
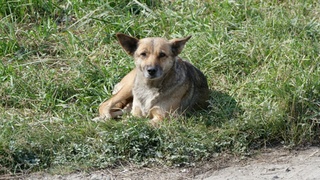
<point>143,54</point>
<point>161,55</point>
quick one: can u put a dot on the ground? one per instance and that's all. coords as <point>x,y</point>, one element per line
<point>276,163</point>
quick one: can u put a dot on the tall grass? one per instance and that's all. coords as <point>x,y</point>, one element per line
<point>60,59</point>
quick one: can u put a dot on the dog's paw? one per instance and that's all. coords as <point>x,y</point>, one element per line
<point>97,119</point>
<point>101,119</point>
<point>155,123</point>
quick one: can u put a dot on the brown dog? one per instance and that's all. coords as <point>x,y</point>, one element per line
<point>162,84</point>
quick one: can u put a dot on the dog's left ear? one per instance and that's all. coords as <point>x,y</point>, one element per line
<point>130,44</point>
<point>178,44</point>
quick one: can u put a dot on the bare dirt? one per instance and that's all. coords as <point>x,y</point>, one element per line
<point>271,164</point>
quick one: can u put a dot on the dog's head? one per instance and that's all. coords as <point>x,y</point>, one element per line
<point>154,57</point>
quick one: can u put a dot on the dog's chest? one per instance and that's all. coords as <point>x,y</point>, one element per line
<point>145,97</point>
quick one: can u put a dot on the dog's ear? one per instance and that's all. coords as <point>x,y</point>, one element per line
<point>128,43</point>
<point>178,44</point>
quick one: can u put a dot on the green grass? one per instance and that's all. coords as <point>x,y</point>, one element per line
<point>60,59</point>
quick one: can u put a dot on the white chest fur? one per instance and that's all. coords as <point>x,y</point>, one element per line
<point>144,99</point>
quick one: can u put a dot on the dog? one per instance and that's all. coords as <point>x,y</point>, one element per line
<point>161,84</point>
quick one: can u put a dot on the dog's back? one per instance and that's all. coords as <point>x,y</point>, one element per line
<point>198,93</point>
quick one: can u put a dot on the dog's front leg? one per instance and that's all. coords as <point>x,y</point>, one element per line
<point>157,115</point>
<point>163,110</point>
<point>136,109</point>
<point>121,99</point>
<point>105,110</point>
<point>113,108</point>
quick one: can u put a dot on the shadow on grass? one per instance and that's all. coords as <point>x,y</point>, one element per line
<point>222,108</point>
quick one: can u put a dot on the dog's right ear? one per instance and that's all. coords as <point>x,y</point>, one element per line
<point>130,44</point>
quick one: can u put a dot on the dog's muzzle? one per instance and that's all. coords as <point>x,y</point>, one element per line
<point>152,72</point>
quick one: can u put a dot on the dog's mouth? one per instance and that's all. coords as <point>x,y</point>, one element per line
<point>152,72</point>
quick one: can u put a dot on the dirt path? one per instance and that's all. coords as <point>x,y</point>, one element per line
<point>272,164</point>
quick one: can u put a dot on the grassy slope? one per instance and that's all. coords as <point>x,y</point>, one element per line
<point>59,60</point>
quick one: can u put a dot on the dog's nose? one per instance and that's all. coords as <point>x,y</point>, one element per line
<point>152,71</point>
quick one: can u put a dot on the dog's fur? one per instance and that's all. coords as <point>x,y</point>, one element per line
<point>161,84</point>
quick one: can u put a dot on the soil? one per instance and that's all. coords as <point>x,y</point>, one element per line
<point>271,164</point>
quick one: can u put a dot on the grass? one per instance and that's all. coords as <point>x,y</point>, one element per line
<point>60,59</point>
